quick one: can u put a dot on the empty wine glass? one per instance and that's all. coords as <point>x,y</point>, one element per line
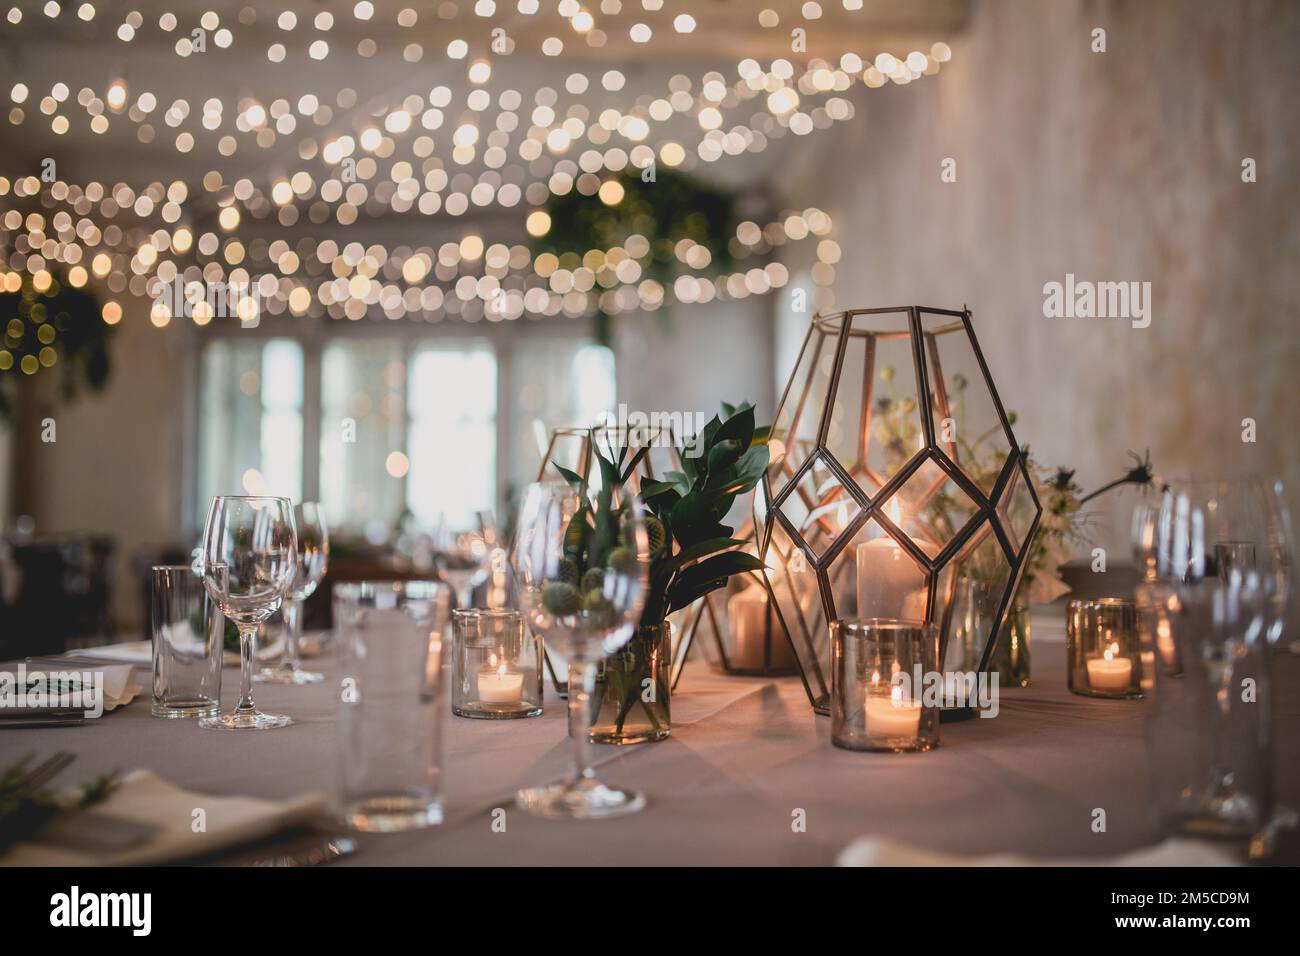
<point>465,565</point>
<point>248,561</point>
<point>309,568</point>
<point>1217,558</point>
<point>581,565</point>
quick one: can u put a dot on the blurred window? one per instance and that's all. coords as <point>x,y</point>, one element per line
<point>250,410</point>
<point>407,429</point>
<point>451,435</point>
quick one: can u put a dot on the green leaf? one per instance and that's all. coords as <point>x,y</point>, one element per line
<point>679,598</point>
<point>678,479</point>
<point>740,427</point>
<point>654,489</point>
<point>701,549</point>
<point>718,567</point>
<point>631,466</point>
<point>572,477</point>
<point>722,456</point>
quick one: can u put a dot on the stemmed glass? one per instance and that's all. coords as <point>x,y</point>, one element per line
<point>464,565</point>
<point>1218,556</point>
<point>309,568</point>
<point>582,616</point>
<point>248,561</point>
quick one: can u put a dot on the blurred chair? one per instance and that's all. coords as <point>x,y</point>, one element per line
<point>63,592</point>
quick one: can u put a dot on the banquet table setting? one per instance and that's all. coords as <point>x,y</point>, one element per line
<point>649,433</point>
<point>745,754</point>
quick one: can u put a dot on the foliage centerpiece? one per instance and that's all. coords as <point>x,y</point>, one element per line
<point>692,552</point>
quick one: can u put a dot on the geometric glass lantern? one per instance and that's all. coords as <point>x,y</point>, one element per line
<point>895,488</point>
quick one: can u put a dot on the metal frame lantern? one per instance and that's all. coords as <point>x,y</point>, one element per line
<point>896,488</point>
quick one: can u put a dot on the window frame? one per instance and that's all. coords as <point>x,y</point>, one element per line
<point>504,338</point>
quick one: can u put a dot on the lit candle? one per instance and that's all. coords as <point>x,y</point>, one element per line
<point>1110,672</point>
<point>888,577</point>
<point>890,719</point>
<point>747,613</point>
<point>500,687</point>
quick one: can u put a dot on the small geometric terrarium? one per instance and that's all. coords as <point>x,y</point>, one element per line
<point>895,488</point>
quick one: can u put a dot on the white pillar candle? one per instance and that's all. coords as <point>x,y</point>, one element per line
<point>500,687</point>
<point>747,614</point>
<point>890,582</point>
<point>1110,672</point>
<point>890,719</point>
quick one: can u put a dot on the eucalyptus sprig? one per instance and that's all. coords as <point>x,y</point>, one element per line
<point>693,549</point>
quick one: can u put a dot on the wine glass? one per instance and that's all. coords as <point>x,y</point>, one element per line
<point>248,563</point>
<point>464,565</point>
<point>309,567</point>
<point>1218,556</point>
<point>582,575</point>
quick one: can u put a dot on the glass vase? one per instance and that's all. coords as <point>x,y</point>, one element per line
<point>1010,660</point>
<point>631,700</point>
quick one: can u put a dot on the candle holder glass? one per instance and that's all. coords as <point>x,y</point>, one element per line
<point>497,670</point>
<point>1102,647</point>
<point>879,669</point>
<point>895,489</point>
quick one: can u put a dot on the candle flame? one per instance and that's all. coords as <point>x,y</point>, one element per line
<point>896,696</point>
<point>875,677</point>
<point>895,512</point>
<point>501,670</point>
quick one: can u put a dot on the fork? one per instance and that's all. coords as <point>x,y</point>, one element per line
<point>27,782</point>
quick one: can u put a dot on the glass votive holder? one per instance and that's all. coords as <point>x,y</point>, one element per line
<point>1102,648</point>
<point>879,668</point>
<point>751,641</point>
<point>497,665</point>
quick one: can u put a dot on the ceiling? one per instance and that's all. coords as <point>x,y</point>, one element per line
<point>275,88</point>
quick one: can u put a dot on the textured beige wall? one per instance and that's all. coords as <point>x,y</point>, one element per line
<point>1123,165</point>
<point>115,465</point>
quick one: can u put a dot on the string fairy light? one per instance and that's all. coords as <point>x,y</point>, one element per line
<point>419,152</point>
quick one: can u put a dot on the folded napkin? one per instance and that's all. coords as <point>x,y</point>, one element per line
<point>873,851</point>
<point>128,652</point>
<point>120,685</point>
<point>148,821</point>
<point>141,653</point>
<point>42,694</point>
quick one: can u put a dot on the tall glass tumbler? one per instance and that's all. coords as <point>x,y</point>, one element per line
<point>391,704</point>
<point>187,630</point>
<point>1210,730</point>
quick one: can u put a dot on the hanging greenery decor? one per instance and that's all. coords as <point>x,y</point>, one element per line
<point>671,225</point>
<point>54,326</point>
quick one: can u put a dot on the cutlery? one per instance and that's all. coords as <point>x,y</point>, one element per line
<point>318,854</point>
<point>43,718</point>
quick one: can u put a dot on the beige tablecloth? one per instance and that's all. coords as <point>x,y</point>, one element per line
<point>745,755</point>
